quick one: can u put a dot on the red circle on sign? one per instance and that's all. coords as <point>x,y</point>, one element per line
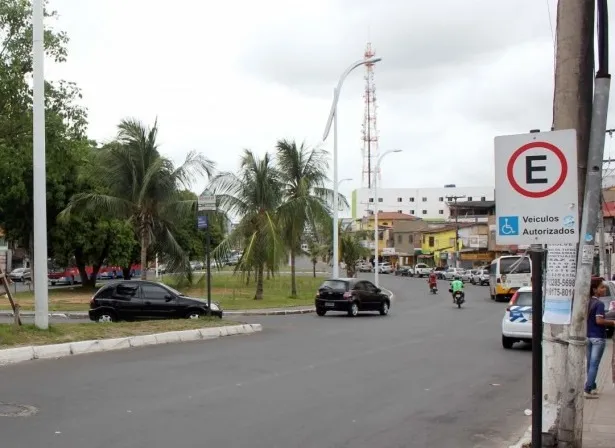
<point>537,194</point>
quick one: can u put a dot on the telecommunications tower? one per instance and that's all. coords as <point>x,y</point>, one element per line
<point>370,129</point>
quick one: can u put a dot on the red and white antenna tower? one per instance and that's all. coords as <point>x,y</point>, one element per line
<point>370,129</point>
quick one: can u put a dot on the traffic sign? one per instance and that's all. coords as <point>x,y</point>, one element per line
<point>207,201</point>
<point>536,188</point>
<point>201,222</point>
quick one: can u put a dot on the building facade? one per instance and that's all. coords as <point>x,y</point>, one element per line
<point>424,203</point>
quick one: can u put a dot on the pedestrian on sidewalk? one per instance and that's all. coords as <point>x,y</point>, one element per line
<point>596,334</point>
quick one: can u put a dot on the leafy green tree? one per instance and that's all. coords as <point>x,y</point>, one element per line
<point>145,189</point>
<point>65,124</point>
<point>317,251</point>
<point>351,249</point>
<point>254,195</point>
<point>303,173</point>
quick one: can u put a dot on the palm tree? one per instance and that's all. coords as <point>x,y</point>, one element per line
<point>306,200</point>
<point>254,195</point>
<point>317,252</point>
<point>145,188</point>
<point>351,249</point>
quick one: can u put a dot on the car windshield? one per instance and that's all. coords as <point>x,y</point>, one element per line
<point>524,298</point>
<point>334,284</point>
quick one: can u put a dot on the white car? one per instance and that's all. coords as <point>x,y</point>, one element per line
<point>21,275</point>
<point>422,270</point>
<point>517,320</point>
<point>466,276</point>
<point>450,273</point>
<point>385,268</point>
<point>480,277</point>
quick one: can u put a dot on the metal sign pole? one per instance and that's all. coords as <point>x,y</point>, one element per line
<point>537,257</point>
<point>207,251</point>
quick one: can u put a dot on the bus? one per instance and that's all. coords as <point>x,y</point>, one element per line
<point>507,274</point>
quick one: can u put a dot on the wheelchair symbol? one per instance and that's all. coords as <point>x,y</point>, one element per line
<point>508,225</point>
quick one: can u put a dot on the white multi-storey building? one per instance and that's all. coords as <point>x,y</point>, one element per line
<point>425,203</point>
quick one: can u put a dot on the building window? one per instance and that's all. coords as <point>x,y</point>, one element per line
<point>412,212</point>
<point>483,198</point>
<point>410,239</point>
<point>441,199</point>
<point>431,241</point>
<point>411,199</point>
<point>441,212</point>
<point>399,199</point>
<point>424,199</point>
<point>399,239</point>
<point>371,199</point>
<point>379,199</point>
<point>469,198</point>
<point>424,212</point>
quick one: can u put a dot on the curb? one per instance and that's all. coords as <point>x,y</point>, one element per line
<point>269,313</point>
<point>525,441</point>
<point>54,351</point>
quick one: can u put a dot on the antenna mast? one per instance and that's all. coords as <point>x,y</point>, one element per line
<point>370,129</point>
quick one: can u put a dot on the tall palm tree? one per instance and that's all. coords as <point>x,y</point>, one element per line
<point>254,194</point>
<point>145,188</point>
<point>307,201</point>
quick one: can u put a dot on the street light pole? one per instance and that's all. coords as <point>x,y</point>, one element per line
<point>332,120</point>
<point>376,239</point>
<point>39,194</point>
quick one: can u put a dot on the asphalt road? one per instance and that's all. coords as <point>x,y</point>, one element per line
<point>427,375</point>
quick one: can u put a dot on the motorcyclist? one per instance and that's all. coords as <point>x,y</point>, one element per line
<point>432,280</point>
<point>456,286</point>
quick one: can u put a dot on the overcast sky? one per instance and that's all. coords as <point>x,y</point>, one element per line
<point>226,75</point>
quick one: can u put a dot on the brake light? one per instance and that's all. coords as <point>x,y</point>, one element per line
<point>513,300</point>
<point>347,295</point>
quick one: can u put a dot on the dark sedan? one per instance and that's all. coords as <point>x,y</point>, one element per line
<point>136,299</point>
<point>351,295</point>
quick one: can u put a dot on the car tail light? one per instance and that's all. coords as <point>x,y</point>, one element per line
<point>347,295</point>
<point>513,300</point>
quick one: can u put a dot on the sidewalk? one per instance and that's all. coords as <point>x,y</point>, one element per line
<point>599,414</point>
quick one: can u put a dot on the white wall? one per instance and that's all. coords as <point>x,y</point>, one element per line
<point>435,209</point>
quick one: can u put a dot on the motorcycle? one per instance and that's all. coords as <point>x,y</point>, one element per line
<point>433,289</point>
<point>459,298</point>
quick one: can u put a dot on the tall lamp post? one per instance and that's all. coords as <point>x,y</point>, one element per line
<point>376,213</point>
<point>39,195</point>
<point>332,120</point>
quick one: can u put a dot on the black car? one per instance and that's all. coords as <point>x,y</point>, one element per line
<point>404,271</point>
<point>137,299</point>
<point>351,295</point>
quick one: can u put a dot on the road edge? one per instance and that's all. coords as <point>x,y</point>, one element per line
<point>524,441</point>
<point>17,355</point>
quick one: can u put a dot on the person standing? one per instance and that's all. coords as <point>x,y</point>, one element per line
<point>596,334</point>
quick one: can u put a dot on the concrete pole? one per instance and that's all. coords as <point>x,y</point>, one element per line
<point>572,105</point>
<point>39,194</point>
<point>601,243</point>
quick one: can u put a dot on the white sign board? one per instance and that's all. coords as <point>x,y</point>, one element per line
<point>561,274</point>
<point>536,188</point>
<point>207,202</point>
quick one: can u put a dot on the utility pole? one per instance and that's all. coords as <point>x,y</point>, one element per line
<point>572,105</point>
<point>456,253</point>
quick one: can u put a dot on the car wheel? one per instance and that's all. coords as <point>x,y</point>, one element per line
<point>194,314</point>
<point>320,312</point>
<point>507,342</point>
<point>354,310</point>
<point>106,316</point>
<point>384,308</point>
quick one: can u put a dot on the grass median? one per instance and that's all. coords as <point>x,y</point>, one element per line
<point>12,336</point>
<point>230,290</point>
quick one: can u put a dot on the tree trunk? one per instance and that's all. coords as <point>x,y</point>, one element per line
<point>127,273</point>
<point>143,254</point>
<point>314,268</point>
<point>293,278</point>
<point>259,282</point>
<point>248,277</point>
<point>268,274</point>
